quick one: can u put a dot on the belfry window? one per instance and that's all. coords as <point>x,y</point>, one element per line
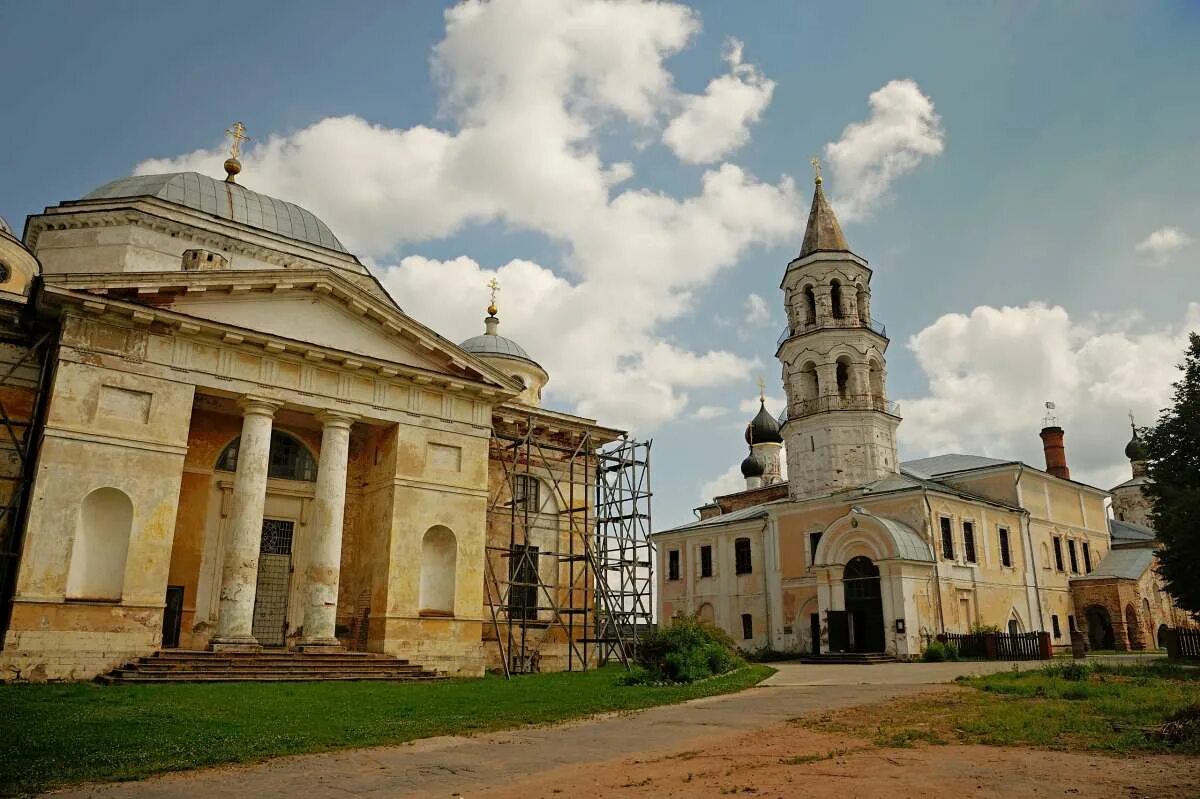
<point>810,306</point>
<point>835,299</point>
<point>289,459</point>
<point>843,377</point>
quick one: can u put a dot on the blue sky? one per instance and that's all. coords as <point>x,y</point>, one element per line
<point>1067,138</point>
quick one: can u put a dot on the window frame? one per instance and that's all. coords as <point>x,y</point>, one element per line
<point>814,541</point>
<point>1073,555</point>
<point>1006,558</point>
<point>1087,558</point>
<point>522,483</point>
<point>747,626</point>
<point>946,525</point>
<point>673,565</point>
<point>1055,626</point>
<point>743,560</point>
<point>970,554</point>
<point>1056,545</point>
<point>706,560</point>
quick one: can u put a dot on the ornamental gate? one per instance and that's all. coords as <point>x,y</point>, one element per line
<point>274,577</point>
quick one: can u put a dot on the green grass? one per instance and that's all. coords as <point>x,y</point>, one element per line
<point>61,734</point>
<point>1111,708</point>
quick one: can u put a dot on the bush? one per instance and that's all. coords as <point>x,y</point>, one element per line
<point>1074,672</point>
<point>766,654</point>
<point>937,652</point>
<point>685,650</point>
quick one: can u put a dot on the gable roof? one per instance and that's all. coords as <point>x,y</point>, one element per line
<point>160,293</point>
<point>951,463</point>
<point>1122,564</point>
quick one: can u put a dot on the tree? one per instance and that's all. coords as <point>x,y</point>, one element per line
<point>1173,466</point>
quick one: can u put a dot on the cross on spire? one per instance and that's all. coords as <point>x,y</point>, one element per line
<point>816,165</point>
<point>762,390</point>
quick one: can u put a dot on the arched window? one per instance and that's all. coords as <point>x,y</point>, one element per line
<point>705,613</point>
<point>876,372</point>
<point>97,569</point>
<point>810,306</point>
<point>289,459</point>
<point>864,305</point>
<point>808,382</point>
<point>439,552</point>
<point>843,377</point>
<point>835,298</point>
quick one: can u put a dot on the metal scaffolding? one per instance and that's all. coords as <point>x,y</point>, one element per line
<point>572,568</point>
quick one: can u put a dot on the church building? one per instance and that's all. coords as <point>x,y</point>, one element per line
<point>857,551</point>
<point>224,434</point>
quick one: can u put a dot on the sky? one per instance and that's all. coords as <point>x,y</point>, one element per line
<point>1023,178</point>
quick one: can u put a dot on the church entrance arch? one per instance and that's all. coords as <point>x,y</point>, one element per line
<point>864,605</point>
<point>1099,627</point>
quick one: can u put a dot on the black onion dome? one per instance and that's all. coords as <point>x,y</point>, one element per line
<point>752,466</point>
<point>763,428</point>
<point>1135,450</point>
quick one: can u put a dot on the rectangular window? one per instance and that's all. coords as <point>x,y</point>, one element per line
<point>947,538</point>
<point>1005,550</point>
<point>673,564</point>
<point>706,561</point>
<point>526,493</point>
<point>523,582</point>
<point>1058,561</point>
<point>741,554</point>
<point>1074,557</point>
<point>1057,629</point>
<point>814,541</point>
<point>747,626</point>
<point>1087,558</point>
<point>969,541</point>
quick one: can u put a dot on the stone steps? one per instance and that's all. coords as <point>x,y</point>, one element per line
<point>849,658</point>
<point>269,666</point>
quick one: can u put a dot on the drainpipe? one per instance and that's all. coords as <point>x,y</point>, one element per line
<point>937,579</point>
<point>762,536</point>
<point>1030,565</point>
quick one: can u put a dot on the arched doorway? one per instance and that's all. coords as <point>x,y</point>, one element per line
<point>864,604</point>
<point>1099,628</point>
<point>1132,631</point>
<point>1163,632</point>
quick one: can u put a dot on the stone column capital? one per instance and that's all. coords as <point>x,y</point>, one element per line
<point>258,406</point>
<point>336,419</point>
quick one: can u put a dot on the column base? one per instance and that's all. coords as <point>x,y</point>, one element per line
<point>321,645</point>
<point>248,645</point>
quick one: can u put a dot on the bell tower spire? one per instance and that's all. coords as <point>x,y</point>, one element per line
<point>840,428</point>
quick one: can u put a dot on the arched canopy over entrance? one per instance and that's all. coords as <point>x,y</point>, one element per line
<point>878,538</point>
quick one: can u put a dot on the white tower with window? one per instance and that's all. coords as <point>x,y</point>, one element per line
<point>840,429</point>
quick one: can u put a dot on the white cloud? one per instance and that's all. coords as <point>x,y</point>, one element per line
<point>758,313</point>
<point>717,122</point>
<point>632,256</point>
<point>727,482</point>
<point>902,131</point>
<point>707,413</point>
<point>990,371</point>
<point>1162,244</point>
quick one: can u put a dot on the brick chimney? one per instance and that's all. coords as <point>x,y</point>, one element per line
<point>1056,453</point>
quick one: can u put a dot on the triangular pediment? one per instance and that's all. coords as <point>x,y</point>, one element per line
<point>312,306</point>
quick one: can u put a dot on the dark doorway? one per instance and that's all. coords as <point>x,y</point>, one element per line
<point>172,617</point>
<point>523,583</point>
<point>814,627</point>
<point>864,603</point>
<point>1099,628</point>
<point>839,630</point>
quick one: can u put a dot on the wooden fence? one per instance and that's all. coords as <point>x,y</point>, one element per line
<point>1184,643</point>
<point>999,646</point>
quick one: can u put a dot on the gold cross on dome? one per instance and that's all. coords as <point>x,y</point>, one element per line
<point>816,165</point>
<point>494,285</point>
<point>238,134</point>
<point>762,389</point>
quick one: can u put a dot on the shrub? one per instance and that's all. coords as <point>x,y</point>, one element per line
<point>685,650</point>
<point>936,652</point>
<point>766,654</point>
<point>1074,672</point>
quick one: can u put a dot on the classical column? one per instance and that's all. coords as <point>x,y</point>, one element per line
<point>239,575</point>
<point>328,512</point>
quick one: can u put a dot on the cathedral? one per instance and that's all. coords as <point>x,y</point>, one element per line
<point>222,434</point>
<point>856,551</point>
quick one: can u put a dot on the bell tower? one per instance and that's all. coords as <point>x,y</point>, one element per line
<point>840,428</point>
